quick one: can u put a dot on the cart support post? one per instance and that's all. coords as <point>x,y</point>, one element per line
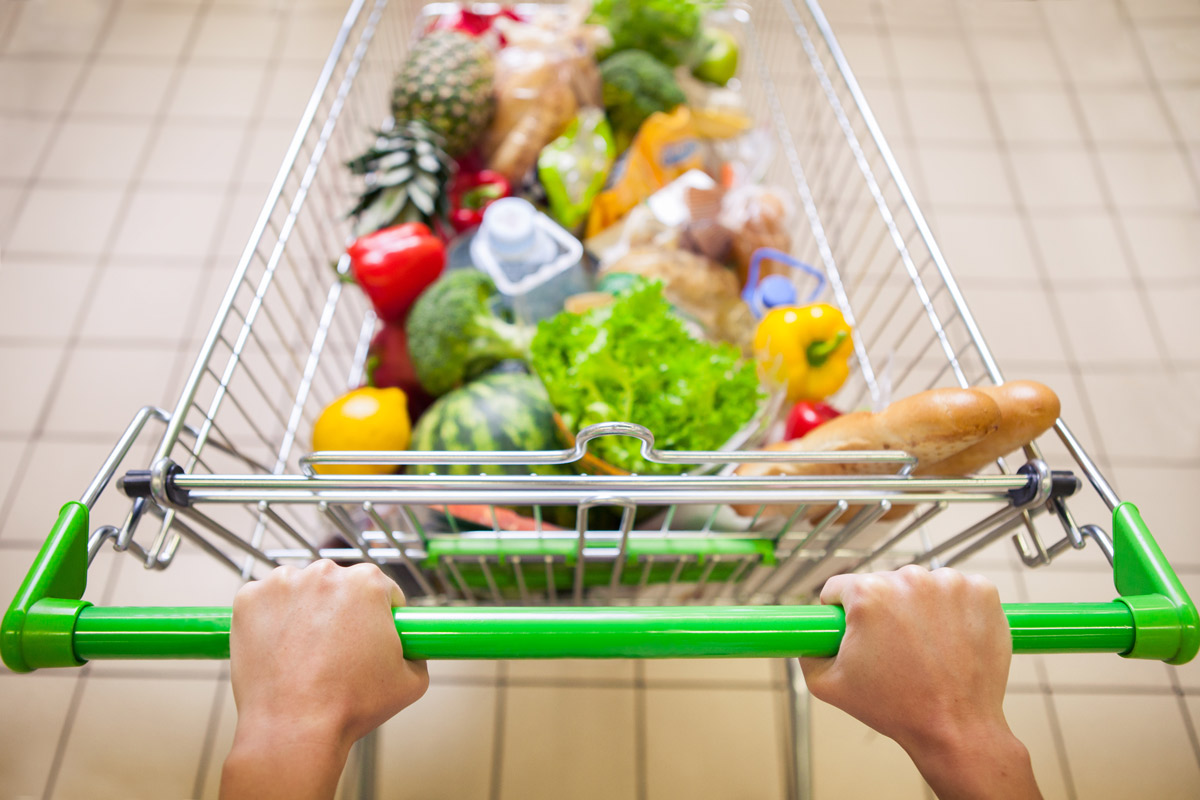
<point>1165,621</point>
<point>39,627</point>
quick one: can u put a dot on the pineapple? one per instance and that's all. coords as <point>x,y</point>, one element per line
<point>446,82</point>
<point>407,176</point>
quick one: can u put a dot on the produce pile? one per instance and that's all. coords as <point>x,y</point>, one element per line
<point>565,222</point>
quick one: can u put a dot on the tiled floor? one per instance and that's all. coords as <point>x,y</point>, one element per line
<point>1054,144</point>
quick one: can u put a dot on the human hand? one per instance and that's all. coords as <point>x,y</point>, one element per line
<point>925,661</point>
<point>316,664</point>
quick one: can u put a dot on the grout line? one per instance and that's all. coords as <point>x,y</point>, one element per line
<point>64,736</point>
<point>1160,98</point>
<point>210,734</point>
<point>501,684</point>
<point>640,736</point>
<point>1060,744</point>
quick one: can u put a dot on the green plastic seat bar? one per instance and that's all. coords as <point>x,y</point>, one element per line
<point>637,632</point>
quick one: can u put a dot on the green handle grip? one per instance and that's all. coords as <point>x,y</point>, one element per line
<point>639,632</point>
<point>49,625</point>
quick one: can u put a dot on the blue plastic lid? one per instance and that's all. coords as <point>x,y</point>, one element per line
<point>776,290</point>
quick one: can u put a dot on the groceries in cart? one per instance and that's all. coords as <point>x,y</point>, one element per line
<point>569,219</point>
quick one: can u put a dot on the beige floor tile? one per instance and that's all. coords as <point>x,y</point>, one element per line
<point>104,387</point>
<point>1019,326</point>
<point>1099,53</point>
<point>99,151</point>
<point>1055,178</point>
<point>22,141</point>
<point>1164,495</point>
<point>1172,51</point>
<point>1029,718</point>
<point>1020,59</point>
<point>149,31</point>
<point>136,708</point>
<point>925,57</point>
<point>291,87</point>
<point>268,145</point>
<point>963,176</point>
<point>56,473</point>
<point>14,561</point>
<point>217,92</point>
<point>308,37</point>
<point>243,214</point>
<point>714,744</point>
<point>568,742</point>
<point>120,88</point>
<point>1153,759</point>
<point>851,760</point>
<point>441,747</point>
<point>1094,339</point>
<point>10,198</point>
<point>1036,115</point>
<point>1123,116</point>
<point>197,153</point>
<point>57,28</point>
<point>867,58</point>
<point>990,244</point>
<point>1058,584</point>
<point>1002,17</point>
<point>41,299</point>
<point>948,114</point>
<point>467,671</point>
<point>228,33</point>
<point>1175,311</point>
<point>36,85</point>
<point>1183,103</point>
<point>169,222</point>
<point>571,670</point>
<point>1172,432</point>
<point>1148,179</point>
<point>1165,244</point>
<point>1080,247</point>
<point>1162,10</point>
<point>35,707</point>
<point>120,311</point>
<point>739,671</point>
<point>32,368</point>
<point>39,226</point>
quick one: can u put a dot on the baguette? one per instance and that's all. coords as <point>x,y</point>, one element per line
<point>933,426</point>
<point>1027,410</point>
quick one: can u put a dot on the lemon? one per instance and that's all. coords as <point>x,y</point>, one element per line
<point>364,419</point>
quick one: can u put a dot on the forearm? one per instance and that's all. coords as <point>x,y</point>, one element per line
<point>282,761</point>
<point>978,765</point>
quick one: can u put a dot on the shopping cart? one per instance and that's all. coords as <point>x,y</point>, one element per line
<point>655,566</point>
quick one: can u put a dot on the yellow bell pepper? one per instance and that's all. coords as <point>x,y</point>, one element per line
<point>805,348</point>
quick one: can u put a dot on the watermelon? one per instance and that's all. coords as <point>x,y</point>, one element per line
<point>500,411</point>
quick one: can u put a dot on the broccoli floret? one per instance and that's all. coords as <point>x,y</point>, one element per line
<point>635,86</point>
<point>666,29</point>
<point>454,335</point>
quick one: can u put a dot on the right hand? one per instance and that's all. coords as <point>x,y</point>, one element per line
<point>925,661</point>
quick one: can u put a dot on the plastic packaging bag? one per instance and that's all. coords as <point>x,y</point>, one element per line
<point>574,167</point>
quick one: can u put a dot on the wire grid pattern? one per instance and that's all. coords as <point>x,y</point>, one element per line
<point>291,339</point>
<point>890,30</point>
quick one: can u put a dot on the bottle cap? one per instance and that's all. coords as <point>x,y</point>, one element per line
<point>509,224</point>
<point>776,290</point>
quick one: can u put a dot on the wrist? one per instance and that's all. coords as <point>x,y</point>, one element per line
<point>982,759</point>
<point>309,749</point>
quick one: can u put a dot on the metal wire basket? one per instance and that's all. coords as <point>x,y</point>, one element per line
<point>654,566</point>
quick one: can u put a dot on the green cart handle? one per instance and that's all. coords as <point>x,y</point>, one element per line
<point>48,625</point>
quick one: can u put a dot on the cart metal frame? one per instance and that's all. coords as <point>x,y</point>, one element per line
<point>654,566</point>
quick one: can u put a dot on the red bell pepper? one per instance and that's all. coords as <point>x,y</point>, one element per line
<point>394,265</point>
<point>807,415</point>
<point>470,195</point>
<point>389,365</point>
<point>474,23</point>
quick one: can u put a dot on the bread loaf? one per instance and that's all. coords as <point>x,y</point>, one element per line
<point>932,426</point>
<point>1027,410</point>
